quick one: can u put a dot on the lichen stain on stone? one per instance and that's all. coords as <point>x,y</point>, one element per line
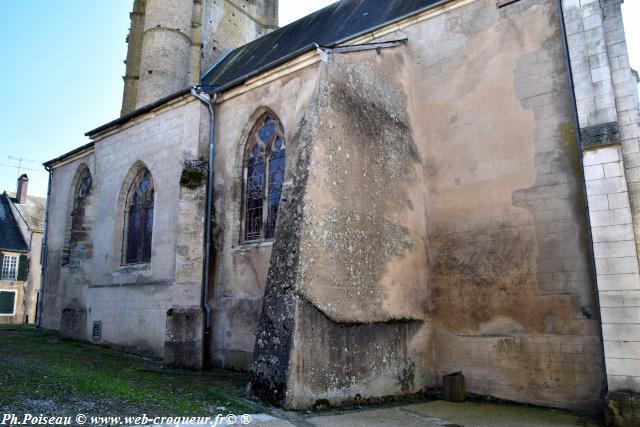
<point>340,361</point>
<point>363,166</point>
<point>569,146</point>
<point>516,352</point>
<point>623,406</point>
<point>354,250</point>
<point>194,173</point>
<point>406,377</point>
<point>269,371</point>
<point>570,149</point>
<point>355,130</point>
<point>491,273</point>
<point>382,133</point>
<point>510,345</point>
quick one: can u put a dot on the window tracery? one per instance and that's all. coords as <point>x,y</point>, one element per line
<point>76,228</point>
<point>139,219</point>
<point>265,160</point>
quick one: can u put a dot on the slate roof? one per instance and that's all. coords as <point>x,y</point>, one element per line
<point>32,211</point>
<point>336,23</point>
<point>10,237</point>
<point>332,25</point>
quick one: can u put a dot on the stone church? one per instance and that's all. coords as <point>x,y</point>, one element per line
<point>358,203</point>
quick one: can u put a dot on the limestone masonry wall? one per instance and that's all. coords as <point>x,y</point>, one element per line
<point>173,42</point>
<point>241,268</point>
<point>609,120</point>
<point>483,242</point>
<point>443,210</point>
<point>131,301</point>
<point>509,262</point>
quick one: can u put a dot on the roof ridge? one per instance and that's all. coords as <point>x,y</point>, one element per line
<point>331,25</point>
<point>11,238</point>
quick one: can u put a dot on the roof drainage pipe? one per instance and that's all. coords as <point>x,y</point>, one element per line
<point>43,253</point>
<point>209,99</point>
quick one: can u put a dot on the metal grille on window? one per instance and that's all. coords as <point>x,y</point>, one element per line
<point>264,175</point>
<point>254,194</point>
<point>96,331</point>
<point>9,267</point>
<point>140,219</point>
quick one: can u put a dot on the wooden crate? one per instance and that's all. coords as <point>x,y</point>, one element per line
<point>454,387</point>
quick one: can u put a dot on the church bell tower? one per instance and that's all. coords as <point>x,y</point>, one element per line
<point>172,42</point>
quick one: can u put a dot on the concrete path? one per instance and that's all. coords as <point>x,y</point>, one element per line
<point>437,413</point>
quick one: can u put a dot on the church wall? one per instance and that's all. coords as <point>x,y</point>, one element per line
<point>609,119</point>
<point>238,289</point>
<point>510,287</point>
<point>64,287</point>
<point>132,301</point>
<point>349,266</point>
<point>432,221</point>
<point>134,52</point>
<point>232,23</point>
<point>165,55</point>
<point>501,286</point>
<point>173,42</point>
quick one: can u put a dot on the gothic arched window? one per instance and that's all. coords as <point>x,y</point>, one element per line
<point>264,174</point>
<point>76,231</point>
<point>139,219</point>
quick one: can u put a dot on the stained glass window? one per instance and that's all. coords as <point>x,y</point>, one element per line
<point>264,175</point>
<point>139,219</point>
<point>77,232</point>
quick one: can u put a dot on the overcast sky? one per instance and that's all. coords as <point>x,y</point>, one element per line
<point>62,70</point>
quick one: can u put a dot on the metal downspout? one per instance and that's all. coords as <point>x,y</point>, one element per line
<point>576,124</point>
<point>43,252</point>
<point>210,103</point>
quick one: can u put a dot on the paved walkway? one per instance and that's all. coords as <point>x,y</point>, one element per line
<point>437,413</point>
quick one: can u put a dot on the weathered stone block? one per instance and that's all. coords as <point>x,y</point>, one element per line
<point>326,333</point>
<point>618,249</point>
<point>620,315</point>
<point>594,172</point>
<point>621,332</point>
<point>613,169</point>
<point>616,282</point>
<point>617,265</point>
<point>620,349</point>
<point>598,203</point>
<point>613,233</point>
<point>73,323</point>
<point>601,156</point>
<point>623,409</point>
<point>599,134</point>
<point>618,200</point>
<point>611,217</point>
<point>183,342</point>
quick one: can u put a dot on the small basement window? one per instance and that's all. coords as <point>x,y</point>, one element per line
<point>7,303</point>
<point>96,331</point>
<point>9,267</point>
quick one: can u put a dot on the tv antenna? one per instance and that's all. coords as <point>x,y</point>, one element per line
<point>20,161</point>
